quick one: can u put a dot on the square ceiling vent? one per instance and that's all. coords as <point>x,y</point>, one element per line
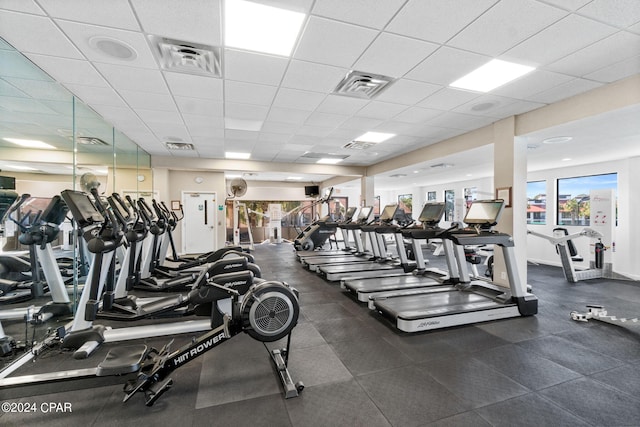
<point>183,146</point>
<point>358,84</point>
<point>359,145</point>
<point>186,57</point>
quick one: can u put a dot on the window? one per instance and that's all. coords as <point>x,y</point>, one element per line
<point>537,202</point>
<point>431,196</point>
<point>405,202</point>
<point>376,205</point>
<point>470,194</point>
<point>573,196</point>
<point>449,204</point>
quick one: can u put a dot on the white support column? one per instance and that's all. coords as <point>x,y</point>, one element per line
<point>510,173</point>
<point>367,191</point>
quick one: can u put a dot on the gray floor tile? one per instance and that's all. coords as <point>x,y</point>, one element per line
<point>466,419</point>
<point>369,355</point>
<point>317,365</point>
<point>527,368</point>
<point>600,338</point>
<point>338,404</point>
<point>472,381</point>
<point>529,410</point>
<point>423,347</point>
<point>267,411</point>
<point>469,338</point>
<point>344,329</point>
<point>625,378</point>
<point>410,397</point>
<point>595,402</point>
<point>327,311</point>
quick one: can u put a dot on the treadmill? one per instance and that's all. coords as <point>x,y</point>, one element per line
<point>381,264</point>
<point>360,254</point>
<point>318,251</point>
<point>466,302</point>
<point>364,288</point>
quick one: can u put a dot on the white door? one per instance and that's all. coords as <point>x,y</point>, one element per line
<point>199,229</point>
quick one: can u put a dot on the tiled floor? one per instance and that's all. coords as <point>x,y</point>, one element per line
<point>359,371</point>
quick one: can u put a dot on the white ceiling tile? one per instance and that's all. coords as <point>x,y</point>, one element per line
<point>571,5</point>
<point>407,92</point>
<point>360,124</point>
<point>341,105</point>
<point>615,48</point>
<point>399,128</point>
<point>36,34</point>
<point>82,34</point>
<point>460,121</point>
<point>115,115</point>
<point>287,115</point>
<point>253,67</point>
<point>149,101</point>
<point>565,90</point>
<point>392,55</point>
<point>515,108</point>
<point>198,106</point>
<point>205,130</point>
<point>325,119</point>
<point>484,105</point>
<point>617,71</point>
<point>278,138</point>
<point>131,78</point>
<point>114,13</point>
<point>448,99</point>
<point>417,115</point>
<point>242,135</point>
<point>67,70</point>
<point>325,41</point>
<point>245,111</point>
<point>436,20</point>
<point>279,127</point>
<point>193,120</point>
<point>22,6</point>
<point>157,116</point>
<point>315,77</point>
<point>298,99</point>
<point>620,13</point>
<point>303,6</point>
<point>505,25</point>
<point>175,20</point>
<point>319,131</point>
<point>93,95</point>
<point>380,110</point>
<point>169,131</point>
<point>542,48</point>
<point>446,65</point>
<point>248,93</point>
<point>531,83</point>
<point>193,86</point>
<point>634,28</point>
<point>368,13</point>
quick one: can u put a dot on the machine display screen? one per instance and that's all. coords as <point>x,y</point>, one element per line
<point>350,213</point>
<point>81,207</point>
<point>484,212</point>
<point>432,213</point>
<point>365,212</point>
<point>388,213</point>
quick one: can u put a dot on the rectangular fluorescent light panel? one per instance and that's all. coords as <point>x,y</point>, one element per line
<point>261,28</point>
<point>491,75</point>
<point>30,143</point>
<point>329,161</point>
<point>238,156</point>
<point>374,137</point>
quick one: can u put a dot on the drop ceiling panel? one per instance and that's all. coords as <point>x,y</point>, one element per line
<point>516,107</point>
<point>617,71</point>
<point>460,121</point>
<point>435,20</point>
<point>253,67</point>
<point>240,135</point>
<point>245,111</point>
<point>565,90</point>
<point>380,110</point>
<point>198,106</point>
<point>298,99</point>
<point>203,130</point>
<point>543,48</point>
<point>571,5</point>
<point>505,25</point>
<point>407,92</point>
<point>361,124</point>
<point>38,89</point>
<point>22,6</point>
<point>314,77</point>
<point>169,131</point>
<point>131,78</point>
<point>36,34</point>
<point>446,65</point>
<point>81,35</point>
<point>278,138</point>
<point>65,70</point>
<point>157,116</point>
<point>325,41</point>
<point>114,13</point>
<point>621,13</point>
<point>392,55</point>
<point>273,126</point>
<point>96,95</point>
<point>150,101</point>
<point>326,119</point>
<point>200,120</point>
<point>417,115</point>
<point>341,105</point>
<point>368,13</point>
<point>484,105</point>
<point>448,99</point>
<point>532,83</point>
<point>287,115</point>
<point>319,131</point>
<point>249,93</point>
<point>193,86</point>
<point>618,47</point>
<point>199,22</point>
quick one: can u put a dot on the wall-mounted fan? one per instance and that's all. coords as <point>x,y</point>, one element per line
<point>237,187</point>
<point>88,181</point>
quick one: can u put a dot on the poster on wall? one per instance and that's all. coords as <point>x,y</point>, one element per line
<point>431,196</point>
<point>449,204</point>
<point>405,202</point>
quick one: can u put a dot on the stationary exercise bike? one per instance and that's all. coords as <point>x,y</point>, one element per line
<point>268,312</point>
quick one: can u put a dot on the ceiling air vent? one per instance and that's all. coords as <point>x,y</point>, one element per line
<point>359,145</point>
<point>312,155</point>
<point>441,166</point>
<point>88,140</point>
<point>179,146</point>
<point>358,84</point>
<point>186,57</point>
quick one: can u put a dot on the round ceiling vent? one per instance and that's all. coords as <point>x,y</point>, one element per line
<point>113,48</point>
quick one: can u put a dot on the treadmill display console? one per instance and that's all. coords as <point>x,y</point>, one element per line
<point>348,216</point>
<point>365,213</point>
<point>484,212</point>
<point>82,208</point>
<point>431,213</point>
<point>388,213</point>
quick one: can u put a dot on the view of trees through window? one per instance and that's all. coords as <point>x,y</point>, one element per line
<point>405,202</point>
<point>537,202</point>
<point>574,207</point>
